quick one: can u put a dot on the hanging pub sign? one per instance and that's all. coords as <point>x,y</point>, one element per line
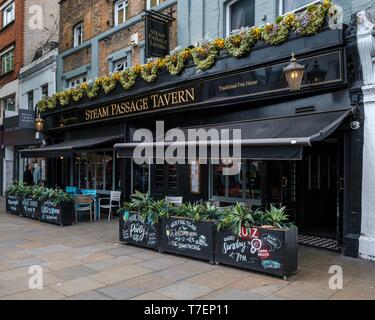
<point>26,119</point>
<point>157,35</point>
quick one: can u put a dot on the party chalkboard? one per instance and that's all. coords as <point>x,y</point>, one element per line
<point>188,237</point>
<point>61,215</point>
<point>135,231</point>
<point>13,205</point>
<point>266,250</point>
<point>30,209</point>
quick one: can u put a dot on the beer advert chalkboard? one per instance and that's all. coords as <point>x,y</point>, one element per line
<point>59,215</point>
<point>188,237</point>
<point>30,209</point>
<point>13,205</point>
<point>135,231</point>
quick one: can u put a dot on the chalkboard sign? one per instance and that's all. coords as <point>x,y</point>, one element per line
<point>13,205</point>
<point>30,208</point>
<point>135,231</point>
<point>266,250</point>
<point>187,237</point>
<point>60,215</point>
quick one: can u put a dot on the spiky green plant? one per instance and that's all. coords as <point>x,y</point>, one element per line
<point>277,217</point>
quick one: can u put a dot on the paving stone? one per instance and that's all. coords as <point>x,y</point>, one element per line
<point>61,264</point>
<point>160,263</point>
<point>355,290</point>
<point>177,274</point>
<point>91,295</point>
<point>215,279</point>
<point>231,294</point>
<point>151,296</point>
<point>76,286</point>
<point>113,263</point>
<point>184,290</point>
<point>301,290</point>
<point>24,262</point>
<point>256,280</point>
<point>94,257</point>
<point>117,275</point>
<point>121,292</point>
<point>43,294</point>
<point>74,272</point>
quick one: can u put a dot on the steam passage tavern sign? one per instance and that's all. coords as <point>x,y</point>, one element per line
<point>157,34</point>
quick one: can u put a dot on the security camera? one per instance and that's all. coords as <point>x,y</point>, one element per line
<point>355,125</point>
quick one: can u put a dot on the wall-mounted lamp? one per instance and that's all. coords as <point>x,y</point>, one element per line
<point>294,74</point>
<point>39,124</point>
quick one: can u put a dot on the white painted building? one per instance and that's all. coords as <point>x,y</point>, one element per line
<point>366,47</point>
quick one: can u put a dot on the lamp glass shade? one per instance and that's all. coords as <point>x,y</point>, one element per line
<point>39,124</point>
<point>294,74</point>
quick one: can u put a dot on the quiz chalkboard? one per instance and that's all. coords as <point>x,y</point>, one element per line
<point>188,237</point>
<point>135,231</point>
<point>60,215</point>
<point>13,205</point>
<point>267,250</point>
<point>30,208</point>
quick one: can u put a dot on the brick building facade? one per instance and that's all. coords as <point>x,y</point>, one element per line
<point>106,42</point>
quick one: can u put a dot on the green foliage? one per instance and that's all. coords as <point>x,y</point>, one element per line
<point>277,217</point>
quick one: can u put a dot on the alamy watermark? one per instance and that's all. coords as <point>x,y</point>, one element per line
<point>36,278</point>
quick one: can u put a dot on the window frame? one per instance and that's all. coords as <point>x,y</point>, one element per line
<point>76,28</point>
<point>119,61</point>
<point>77,80</point>
<point>7,51</point>
<point>5,101</point>
<point>5,21</point>
<point>158,3</point>
<point>43,87</point>
<point>116,10</point>
<point>228,16</point>
<point>132,177</point>
<point>30,94</point>
<point>281,7</point>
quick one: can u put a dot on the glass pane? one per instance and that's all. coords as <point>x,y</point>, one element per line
<point>242,14</point>
<point>253,180</point>
<point>159,176</point>
<point>218,181</point>
<point>140,177</point>
<point>290,5</point>
<point>120,16</point>
<point>108,165</point>
<point>172,177</point>
<point>235,186</point>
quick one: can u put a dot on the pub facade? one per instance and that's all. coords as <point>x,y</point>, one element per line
<point>300,149</point>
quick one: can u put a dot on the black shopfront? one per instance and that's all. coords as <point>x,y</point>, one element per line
<point>298,148</point>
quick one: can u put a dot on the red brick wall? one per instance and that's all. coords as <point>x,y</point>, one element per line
<point>13,35</point>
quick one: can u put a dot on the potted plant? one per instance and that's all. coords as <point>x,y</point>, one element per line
<point>14,197</point>
<point>30,205</point>
<point>256,240</point>
<point>139,221</point>
<point>189,230</point>
<point>56,206</point>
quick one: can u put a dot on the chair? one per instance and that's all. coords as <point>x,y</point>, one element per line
<point>83,203</point>
<point>114,202</point>
<point>176,201</point>
<point>71,190</point>
<point>93,194</point>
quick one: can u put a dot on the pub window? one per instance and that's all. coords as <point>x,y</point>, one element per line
<point>140,177</point>
<point>44,89</point>
<point>78,34</point>
<point>97,170</point>
<point>74,82</point>
<point>121,12</point>
<point>30,100</point>
<point>293,5</point>
<point>153,3</point>
<point>244,186</point>
<point>240,14</point>
<point>7,60</point>
<point>165,179</point>
<point>9,103</point>
<point>8,14</point>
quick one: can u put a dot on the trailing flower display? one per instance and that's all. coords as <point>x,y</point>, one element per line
<point>304,23</point>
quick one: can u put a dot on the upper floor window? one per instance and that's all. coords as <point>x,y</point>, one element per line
<point>153,3</point>
<point>121,11</point>
<point>30,100</point>
<point>293,5</point>
<point>120,65</point>
<point>8,13</point>
<point>44,89</point>
<point>240,14</point>
<point>9,103</point>
<point>7,60</point>
<point>78,34</point>
<point>74,82</point>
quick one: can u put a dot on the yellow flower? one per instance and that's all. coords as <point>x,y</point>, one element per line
<point>256,33</point>
<point>268,27</point>
<point>327,4</point>
<point>84,86</point>
<point>137,68</point>
<point>98,81</point>
<point>219,43</point>
<point>116,76</point>
<point>161,63</point>
<point>186,54</point>
<point>289,19</point>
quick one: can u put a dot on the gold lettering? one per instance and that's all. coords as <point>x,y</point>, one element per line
<point>174,98</point>
<point>191,94</point>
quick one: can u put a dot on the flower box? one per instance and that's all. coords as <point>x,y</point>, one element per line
<point>13,204</point>
<point>187,237</point>
<point>61,215</point>
<point>134,230</point>
<point>268,250</point>
<point>30,208</point>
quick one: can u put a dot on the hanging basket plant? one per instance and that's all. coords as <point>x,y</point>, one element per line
<point>52,102</point>
<point>64,97</point>
<point>149,71</point>
<point>77,93</point>
<point>176,63</point>
<point>128,77</point>
<point>92,90</point>
<point>205,56</point>
<point>109,83</point>
<point>309,21</point>
<point>239,44</point>
<point>276,33</point>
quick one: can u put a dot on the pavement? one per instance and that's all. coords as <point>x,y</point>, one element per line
<point>87,262</point>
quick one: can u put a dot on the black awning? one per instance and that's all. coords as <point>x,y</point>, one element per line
<point>66,148</point>
<point>264,139</point>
